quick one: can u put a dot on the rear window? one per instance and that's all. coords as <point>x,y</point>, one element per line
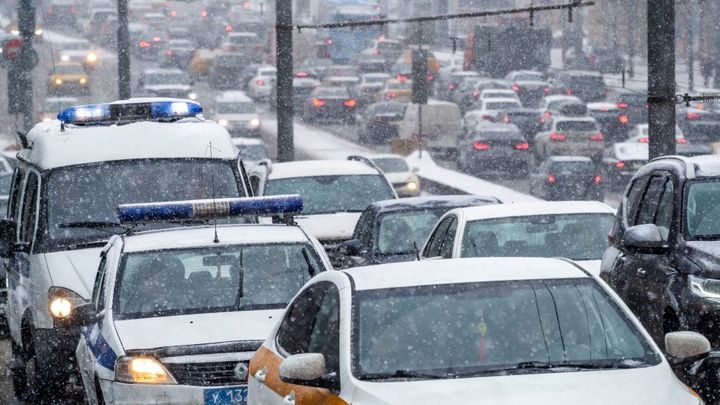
<point>243,40</point>
<point>501,106</point>
<point>332,92</point>
<point>529,77</point>
<point>389,46</point>
<point>584,126</point>
<point>392,165</point>
<point>571,167</point>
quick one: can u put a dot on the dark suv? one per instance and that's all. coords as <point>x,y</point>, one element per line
<point>588,86</point>
<point>664,256</point>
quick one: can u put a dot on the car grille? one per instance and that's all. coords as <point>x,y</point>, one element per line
<point>206,374</point>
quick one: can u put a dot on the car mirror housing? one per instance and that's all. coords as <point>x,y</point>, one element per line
<point>351,247</point>
<point>308,369</point>
<point>84,315</point>
<point>7,237</point>
<point>686,344</point>
<point>644,238</point>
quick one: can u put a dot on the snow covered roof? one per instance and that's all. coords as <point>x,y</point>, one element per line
<point>535,208</point>
<point>453,271</point>
<point>190,138</point>
<point>161,71</point>
<point>187,237</point>
<point>308,168</point>
<point>232,96</point>
<point>569,159</point>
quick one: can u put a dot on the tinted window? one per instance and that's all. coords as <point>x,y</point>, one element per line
<point>158,79</point>
<point>392,165</point>
<point>29,211</point>
<point>400,232</point>
<point>571,167</point>
<point>633,199</point>
<point>98,286</point>
<point>311,324</point>
<point>649,203</point>
<point>501,106</point>
<point>664,215</point>
<point>436,239</point>
<point>446,249</point>
<point>702,210</point>
<point>585,126</point>
<point>332,92</point>
<point>235,108</point>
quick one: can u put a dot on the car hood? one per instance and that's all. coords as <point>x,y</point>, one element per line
<point>330,227</point>
<point>705,254</point>
<point>197,329</point>
<point>74,269</point>
<point>168,87</point>
<point>652,385</point>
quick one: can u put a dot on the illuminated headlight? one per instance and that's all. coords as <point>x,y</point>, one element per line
<point>58,81</point>
<point>83,80</point>
<point>15,31</point>
<point>705,288</point>
<point>39,31</point>
<point>223,122</point>
<point>143,370</point>
<point>91,57</point>
<point>62,301</point>
<point>192,96</point>
<point>47,119</point>
<point>65,58</point>
<point>254,123</point>
<point>412,186</point>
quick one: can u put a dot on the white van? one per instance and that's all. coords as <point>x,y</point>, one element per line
<point>441,125</point>
<point>71,175</point>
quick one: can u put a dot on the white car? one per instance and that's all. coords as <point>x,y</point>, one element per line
<point>403,179</point>
<point>78,50</point>
<point>465,331</point>
<point>172,83</point>
<point>238,114</point>
<point>177,313</point>
<point>260,86</point>
<point>335,193</point>
<point>576,230</point>
<point>487,94</point>
<point>489,109</point>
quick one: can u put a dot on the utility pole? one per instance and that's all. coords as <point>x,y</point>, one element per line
<point>661,76</point>
<point>21,68</point>
<point>284,61</point>
<point>632,40</point>
<point>691,22</point>
<point>123,50</point>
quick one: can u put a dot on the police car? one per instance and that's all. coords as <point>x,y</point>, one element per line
<point>176,314</point>
<point>71,175</point>
<point>491,331</point>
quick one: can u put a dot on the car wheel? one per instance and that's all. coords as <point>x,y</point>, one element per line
<point>18,374</point>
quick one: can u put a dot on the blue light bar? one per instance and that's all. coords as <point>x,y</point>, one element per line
<point>208,209</point>
<point>130,111</point>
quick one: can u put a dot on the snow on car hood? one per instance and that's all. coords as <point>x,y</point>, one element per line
<point>74,269</point>
<point>324,227</point>
<point>196,329</point>
<point>652,385</point>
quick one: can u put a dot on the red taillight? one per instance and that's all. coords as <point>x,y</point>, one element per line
<point>522,146</point>
<point>568,92</point>
<point>451,86</point>
<point>515,88</point>
<point>693,115</point>
<point>73,10</point>
<point>487,117</point>
<point>680,140</point>
<point>144,44</point>
<point>476,94</point>
<point>329,41</point>
<point>597,179</point>
<point>350,103</point>
<point>169,52</point>
<point>204,13</point>
<point>644,139</point>
<point>624,119</point>
<point>402,78</point>
<point>481,146</point>
<point>51,9</point>
<point>316,102</point>
<point>390,94</point>
<point>376,51</point>
<point>621,105</point>
<point>302,74</point>
<point>260,82</point>
<point>228,28</point>
<point>557,137</point>
<point>551,179</point>
<point>431,77</point>
<point>546,90</point>
<point>597,137</point>
<point>506,119</point>
<point>246,4</point>
<point>619,164</point>
<point>173,13</point>
<point>156,39</point>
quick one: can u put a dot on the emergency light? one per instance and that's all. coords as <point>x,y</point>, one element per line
<point>130,110</point>
<point>208,209</point>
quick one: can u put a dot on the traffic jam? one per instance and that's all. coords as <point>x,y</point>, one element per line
<point>472,209</point>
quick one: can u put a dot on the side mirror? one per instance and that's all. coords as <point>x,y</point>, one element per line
<point>7,237</point>
<point>685,344</point>
<point>644,239</point>
<point>308,369</point>
<point>84,315</point>
<point>351,247</point>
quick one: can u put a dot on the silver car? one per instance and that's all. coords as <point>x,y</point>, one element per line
<point>570,136</point>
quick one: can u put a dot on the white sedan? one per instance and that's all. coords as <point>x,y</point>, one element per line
<point>490,331</point>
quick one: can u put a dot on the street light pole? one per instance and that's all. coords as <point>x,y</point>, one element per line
<point>23,66</point>
<point>284,58</point>
<point>123,51</point>
<point>661,76</point>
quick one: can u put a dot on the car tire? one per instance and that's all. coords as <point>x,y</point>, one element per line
<point>18,374</point>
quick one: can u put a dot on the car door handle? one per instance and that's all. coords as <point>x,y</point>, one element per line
<point>260,376</point>
<point>289,399</point>
<point>641,272</point>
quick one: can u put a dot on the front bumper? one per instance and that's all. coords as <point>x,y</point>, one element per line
<point>122,393</point>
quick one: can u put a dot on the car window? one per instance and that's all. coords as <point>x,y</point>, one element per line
<point>29,209</point>
<point>576,126</point>
<point>702,210</point>
<point>650,201</point>
<point>325,334</point>
<point>98,294</point>
<point>664,216</point>
<point>364,228</point>
<point>436,239</point>
<point>14,199</point>
<point>632,200</point>
<point>449,240</point>
<point>400,232</point>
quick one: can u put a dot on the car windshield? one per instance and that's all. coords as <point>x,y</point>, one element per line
<point>702,210</point>
<point>55,106</point>
<point>574,236</point>
<point>79,196</point>
<point>201,280</point>
<point>155,79</point>
<point>392,165</point>
<point>331,194</point>
<point>580,126</point>
<point>69,70</point>
<point>476,329</point>
<point>404,232</point>
<point>253,152</point>
<point>374,79</point>
<point>235,108</point>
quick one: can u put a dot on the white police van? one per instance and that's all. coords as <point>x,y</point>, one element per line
<point>72,173</point>
<point>177,313</point>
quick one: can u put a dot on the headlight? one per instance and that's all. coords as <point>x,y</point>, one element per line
<point>15,31</point>
<point>39,31</point>
<point>62,301</point>
<point>705,288</point>
<point>223,122</point>
<point>65,58</point>
<point>143,370</point>
<point>47,119</point>
<point>192,96</point>
<point>254,123</point>
<point>83,80</point>
<point>58,81</point>
<point>412,186</point>
<point>91,57</point>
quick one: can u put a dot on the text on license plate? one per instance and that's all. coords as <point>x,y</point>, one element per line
<point>226,396</point>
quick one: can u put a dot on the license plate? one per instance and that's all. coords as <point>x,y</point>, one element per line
<point>226,396</point>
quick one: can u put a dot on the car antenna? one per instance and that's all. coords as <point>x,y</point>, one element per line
<point>212,191</point>
<point>417,251</point>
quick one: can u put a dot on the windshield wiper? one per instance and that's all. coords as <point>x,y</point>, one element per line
<point>91,224</point>
<point>706,237</point>
<point>542,365</point>
<point>405,373</point>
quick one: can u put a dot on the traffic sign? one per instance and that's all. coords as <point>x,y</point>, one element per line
<point>12,48</point>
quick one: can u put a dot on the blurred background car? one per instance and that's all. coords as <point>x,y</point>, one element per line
<point>567,178</point>
<point>380,122</point>
<point>569,136</point>
<point>496,148</point>
<point>68,78</point>
<point>403,178</point>
<point>173,83</point>
<point>330,104</point>
<point>529,85</point>
<point>237,113</point>
<point>53,105</point>
<point>620,162</point>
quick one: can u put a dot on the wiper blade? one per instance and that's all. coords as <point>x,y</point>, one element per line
<point>91,224</point>
<point>82,245</point>
<point>542,365</point>
<point>405,373</point>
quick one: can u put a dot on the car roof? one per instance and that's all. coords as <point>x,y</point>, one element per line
<point>458,271</point>
<point>188,237</point>
<point>696,166</point>
<point>558,97</point>
<point>233,96</point>
<point>52,147</point>
<point>631,151</point>
<point>535,208</point>
<point>155,71</point>
<point>309,168</point>
<point>570,159</point>
<point>439,201</point>
<point>563,118</point>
